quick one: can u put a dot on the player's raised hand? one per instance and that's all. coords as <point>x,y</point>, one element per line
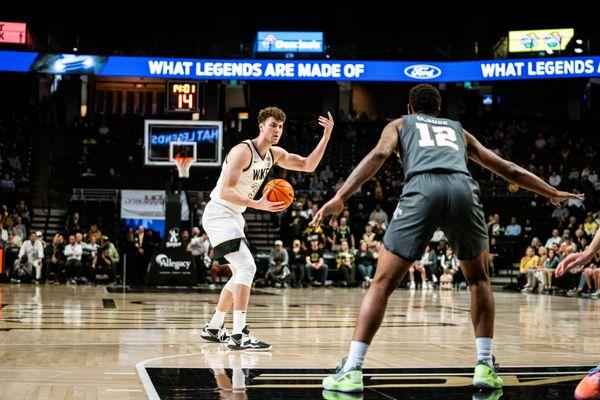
<point>266,205</point>
<point>332,209</point>
<point>572,261</point>
<point>327,123</point>
<point>563,196</point>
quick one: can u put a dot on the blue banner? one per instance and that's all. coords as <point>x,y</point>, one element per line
<point>305,70</point>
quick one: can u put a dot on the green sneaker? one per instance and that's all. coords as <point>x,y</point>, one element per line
<point>333,395</point>
<point>485,377</point>
<point>350,381</point>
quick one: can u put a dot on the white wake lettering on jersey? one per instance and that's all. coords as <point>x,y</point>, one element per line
<point>250,181</point>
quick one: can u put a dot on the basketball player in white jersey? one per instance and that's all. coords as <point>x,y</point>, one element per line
<point>243,173</point>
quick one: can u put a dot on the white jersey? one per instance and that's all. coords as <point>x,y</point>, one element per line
<point>250,181</point>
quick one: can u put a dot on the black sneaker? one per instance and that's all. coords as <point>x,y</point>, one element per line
<point>245,341</point>
<point>220,335</point>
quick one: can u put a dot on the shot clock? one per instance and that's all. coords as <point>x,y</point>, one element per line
<point>182,96</point>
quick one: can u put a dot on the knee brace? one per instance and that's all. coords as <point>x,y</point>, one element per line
<point>243,266</point>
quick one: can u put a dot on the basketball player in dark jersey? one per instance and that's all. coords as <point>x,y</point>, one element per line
<point>438,190</point>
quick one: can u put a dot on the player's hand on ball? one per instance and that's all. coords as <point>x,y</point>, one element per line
<point>271,206</point>
<point>572,261</point>
<point>326,123</point>
<point>560,196</point>
<point>332,208</point>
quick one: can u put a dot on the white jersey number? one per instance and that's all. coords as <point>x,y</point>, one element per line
<point>444,136</point>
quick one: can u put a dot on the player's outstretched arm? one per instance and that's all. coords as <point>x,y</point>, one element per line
<point>238,159</point>
<point>362,173</point>
<point>575,260</point>
<point>309,163</point>
<point>514,173</point>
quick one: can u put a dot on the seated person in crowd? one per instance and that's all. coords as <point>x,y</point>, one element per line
<point>315,263</point>
<point>528,262</point>
<point>278,275</point>
<point>428,261</point>
<point>451,267</point>
<point>55,260</point>
<point>345,264</point>
<point>365,260</point>
<point>31,256</point>
<point>550,265</point>
<point>296,263</point>
<point>102,267</point>
<point>73,265</point>
<point>278,254</point>
<point>535,274</point>
<point>343,233</point>
<point>369,237</point>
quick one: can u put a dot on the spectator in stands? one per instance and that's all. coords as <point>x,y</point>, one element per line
<point>513,229</point>
<point>359,218</point>
<point>74,224</point>
<point>73,252</point>
<point>315,231</point>
<point>345,264</point>
<point>379,216</point>
<point>550,265</point>
<point>343,233</point>
<point>7,185</point>
<point>528,262</point>
<point>452,272</point>
<point>369,237</point>
<point>55,260</point>
<point>297,260</point>
<point>326,174</point>
<point>103,269</point>
<point>6,218</point>
<point>95,233</point>
<point>554,239</point>
<point>3,234</point>
<point>90,250</point>
<point>22,211</point>
<point>365,263</point>
<point>197,249</point>
<point>278,275</point>
<point>428,260</point>
<point>560,214</point>
<point>218,270</point>
<point>31,256</point>
<point>142,242</point>
<point>315,263</point>
<point>554,179</point>
<point>113,253</point>
<point>590,226</point>
<point>438,235</point>
<point>278,255</point>
<point>20,227</point>
<point>494,226</point>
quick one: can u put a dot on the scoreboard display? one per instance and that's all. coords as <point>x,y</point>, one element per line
<point>182,96</point>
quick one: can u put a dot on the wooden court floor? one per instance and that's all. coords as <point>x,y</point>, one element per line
<point>83,342</point>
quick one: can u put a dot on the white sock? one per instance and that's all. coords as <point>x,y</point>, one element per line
<point>239,321</point>
<point>217,319</point>
<point>356,355</point>
<point>484,350</point>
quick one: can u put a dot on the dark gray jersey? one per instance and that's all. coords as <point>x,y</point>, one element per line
<point>430,144</point>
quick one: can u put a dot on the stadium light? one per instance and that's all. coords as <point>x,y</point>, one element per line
<point>579,41</point>
<point>578,50</point>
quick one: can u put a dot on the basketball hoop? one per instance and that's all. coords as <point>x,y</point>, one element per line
<point>183,165</point>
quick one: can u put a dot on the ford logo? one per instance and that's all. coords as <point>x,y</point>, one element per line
<point>422,71</point>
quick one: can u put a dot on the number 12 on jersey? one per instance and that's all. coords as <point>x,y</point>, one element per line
<point>444,136</point>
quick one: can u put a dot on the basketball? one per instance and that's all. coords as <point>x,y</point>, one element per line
<point>281,191</point>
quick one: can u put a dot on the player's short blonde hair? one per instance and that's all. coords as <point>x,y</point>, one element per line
<point>276,113</point>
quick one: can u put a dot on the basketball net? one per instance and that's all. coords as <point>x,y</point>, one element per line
<point>183,165</point>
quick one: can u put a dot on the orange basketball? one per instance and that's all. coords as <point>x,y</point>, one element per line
<point>281,190</point>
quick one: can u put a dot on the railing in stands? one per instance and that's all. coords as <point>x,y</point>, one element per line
<point>80,194</point>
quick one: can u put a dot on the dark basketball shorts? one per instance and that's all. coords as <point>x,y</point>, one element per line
<point>428,200</point>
